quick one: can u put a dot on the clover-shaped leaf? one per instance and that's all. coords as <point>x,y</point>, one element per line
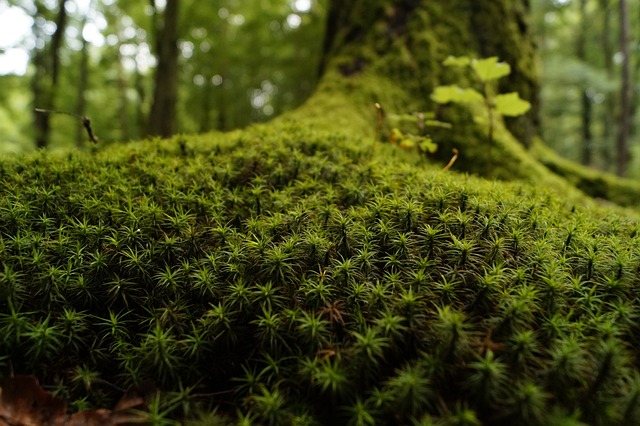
<point>457,61</point>
<point>446,94</point>
<point>408,142</point>
<point>427,145</point>
<point>490,69</point>
<point>510,104</point>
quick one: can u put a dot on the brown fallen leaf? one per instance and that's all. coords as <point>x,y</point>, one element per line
<point>24,403</point>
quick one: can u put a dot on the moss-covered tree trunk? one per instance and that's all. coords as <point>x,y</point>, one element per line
<point>407,40</point>
<point>392,52</point>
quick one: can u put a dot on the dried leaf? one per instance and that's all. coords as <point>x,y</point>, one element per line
<point>24,403</point>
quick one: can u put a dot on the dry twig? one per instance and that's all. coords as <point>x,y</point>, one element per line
<point>86,121</point>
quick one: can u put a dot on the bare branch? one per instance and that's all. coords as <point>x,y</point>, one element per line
<point>86,121</point>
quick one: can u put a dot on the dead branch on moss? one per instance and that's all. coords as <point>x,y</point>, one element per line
<point>86,121</point>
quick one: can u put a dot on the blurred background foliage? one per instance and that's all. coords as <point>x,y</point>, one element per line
<point>581,54</point>
<point>241,62</point>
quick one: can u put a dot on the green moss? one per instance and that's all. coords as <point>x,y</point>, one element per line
<point>402,65</point>
<point>402,54</point>
<point>310,274</point>
<point>303,272</point>
<point>604,186</point>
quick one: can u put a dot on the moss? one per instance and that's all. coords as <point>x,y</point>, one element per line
<point>596,184</point>
<point>297,270</point>
<point>347,104</point>
<point>403,65</point>
<point>303,272</point>
<point>403,53</point>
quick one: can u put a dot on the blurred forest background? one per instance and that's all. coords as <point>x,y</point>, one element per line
<point>237,62</point>
<point>159,67</point>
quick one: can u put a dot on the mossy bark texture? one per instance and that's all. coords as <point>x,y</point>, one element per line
<point>392,52</point>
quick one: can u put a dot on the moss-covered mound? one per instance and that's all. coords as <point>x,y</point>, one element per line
<point>286,276</point>
<point>624,192</point>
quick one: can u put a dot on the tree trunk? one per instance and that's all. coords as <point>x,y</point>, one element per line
<point>391,52</point>
<point>123,103</point>
<point>625,92</point>
<point>83,83</point>
<point>581,54</point>
<point>635,72</point>
<point>162,119</point>
<point>205,107</point>
<point>56,43</point>
<point>38,83</point>
<point>141,100</point>
<point>47,74</point>
<point>610,103</point>
<point>502,28</point>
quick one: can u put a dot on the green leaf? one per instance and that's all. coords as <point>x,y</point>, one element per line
<point>460,61</point>
<point>436,123</point>
<point>443,94</point>
<point>396,135</point>
<point>510,104</point>
<point>446,94</point>
<point>470,96</point>
<point>427,145</point>
<point>490,69</point>
<point>407,142</point>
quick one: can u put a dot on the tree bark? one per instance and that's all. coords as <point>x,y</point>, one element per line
<point>123,103</point>
<point>38,83</point>
<point>391,52</point>
<point>162,119</point>
<point>502,29</point>
<point>141,100</point>
<point>47,74</point>
<point>625,92</point>
<point>635,72</point>
<point>83,84</point>
<point>585,100</point>
<point>610,103</point>
<point>56,42</point>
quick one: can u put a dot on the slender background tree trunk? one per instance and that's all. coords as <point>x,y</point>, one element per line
<point>635,66</point>
<point>83,84</point>
<point>38,84</point>
<point>47,66</point>
<point>123,103</point>
<point>162,119</point>
<point>610,102</point>
<point>586,113</point>
<point>625,92</point>
<point>141,94</point>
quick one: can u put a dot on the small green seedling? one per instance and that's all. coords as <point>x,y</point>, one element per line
<point>487,71</point>
<point>408,131</point>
